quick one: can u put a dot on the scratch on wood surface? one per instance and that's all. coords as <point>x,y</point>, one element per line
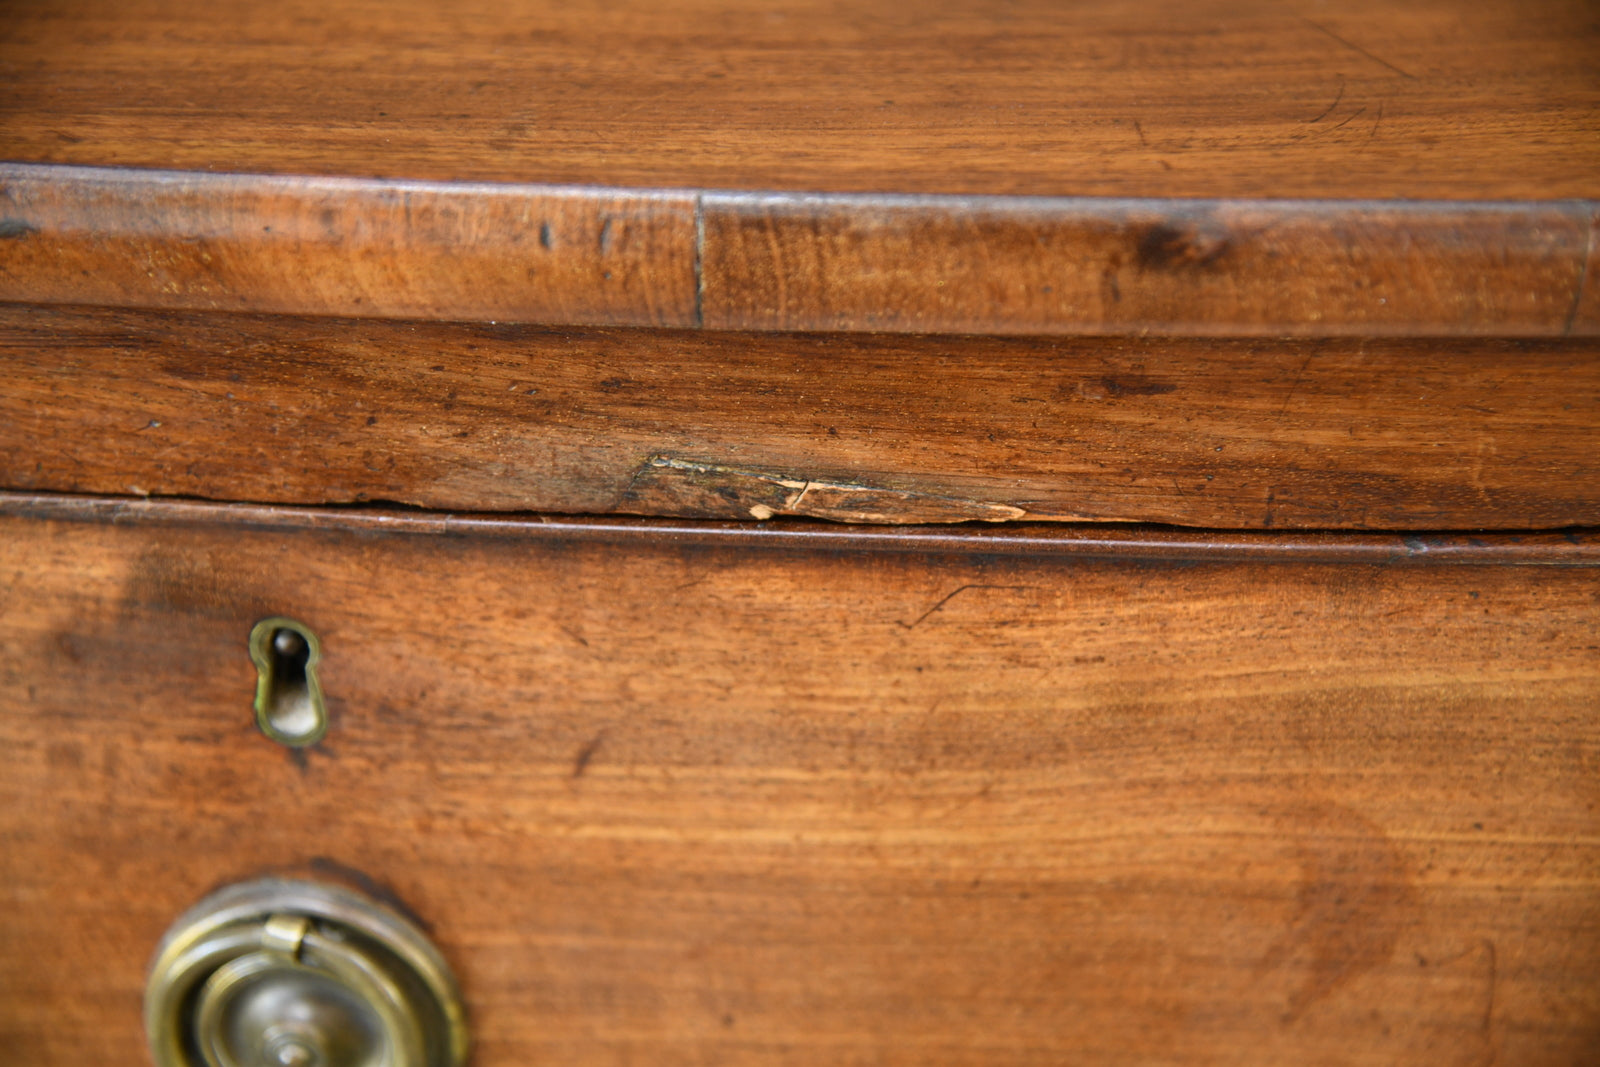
<point>585,754</point>
<point>1492,1050</point>
<point>952,595</point>
<point>1358,49</point>
<point>1299,376</point>
<point>1376,123</point>
<point>1329,109</point>
<point>666,485</point>
<point>1362,110</point>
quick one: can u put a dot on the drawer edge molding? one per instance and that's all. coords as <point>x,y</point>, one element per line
<point>1564,548</point>
<point>752,260</point>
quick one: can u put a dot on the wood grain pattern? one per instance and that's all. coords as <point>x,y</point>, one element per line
<point>1403,435</point>
<point>686,802</point>
<point>765,262</point>
<point>329,246</point>
<point>972,265</point>
<point>1487,99</point>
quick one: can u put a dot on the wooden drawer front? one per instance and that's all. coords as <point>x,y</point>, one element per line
<point>719,798</point>
<point>1319,434</point>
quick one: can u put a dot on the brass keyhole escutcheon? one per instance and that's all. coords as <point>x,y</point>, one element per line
<point>280,973</point>
<point>289,704</point>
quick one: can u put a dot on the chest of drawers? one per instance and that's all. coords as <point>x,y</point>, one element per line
<point>997,534</point>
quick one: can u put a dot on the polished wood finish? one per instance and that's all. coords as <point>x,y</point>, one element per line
<point>974,265</point>
<point>988,265</point>
<point>1382,434</point>
<point>1301,783</point>
<point>1492,99</point>
<point>709,797</point>
<point>1388,142</point>
<point>328,246</point>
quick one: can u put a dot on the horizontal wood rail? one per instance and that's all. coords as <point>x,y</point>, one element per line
<point>1213,433</point>
<point>568,255</point>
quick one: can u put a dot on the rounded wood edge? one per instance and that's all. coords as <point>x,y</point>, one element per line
<point>1560,548</point>
<point>736,260</point>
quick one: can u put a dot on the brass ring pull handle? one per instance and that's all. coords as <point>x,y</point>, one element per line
<point>295,974</point>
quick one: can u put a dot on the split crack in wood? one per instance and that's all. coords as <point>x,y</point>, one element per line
<point>667,485</point>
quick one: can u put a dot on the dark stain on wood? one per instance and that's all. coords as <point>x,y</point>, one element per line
<point>1355,902</point>
<point>1134,386</point>
<point>1165,246</point>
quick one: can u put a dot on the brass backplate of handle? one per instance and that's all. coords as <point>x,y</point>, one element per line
<point>280,973</point>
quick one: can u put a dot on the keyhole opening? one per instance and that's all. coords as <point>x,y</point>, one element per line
<point>289,706</point>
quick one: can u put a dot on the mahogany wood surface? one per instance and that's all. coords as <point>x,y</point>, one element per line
<point>1315,268</point>
<point>333,246</point>
<point>1479,100</point>
<point>715,798</point>
<point>994,265</point>
<point>1382,434</point>
<point>1124,166</point>
<point>1300,783</point>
